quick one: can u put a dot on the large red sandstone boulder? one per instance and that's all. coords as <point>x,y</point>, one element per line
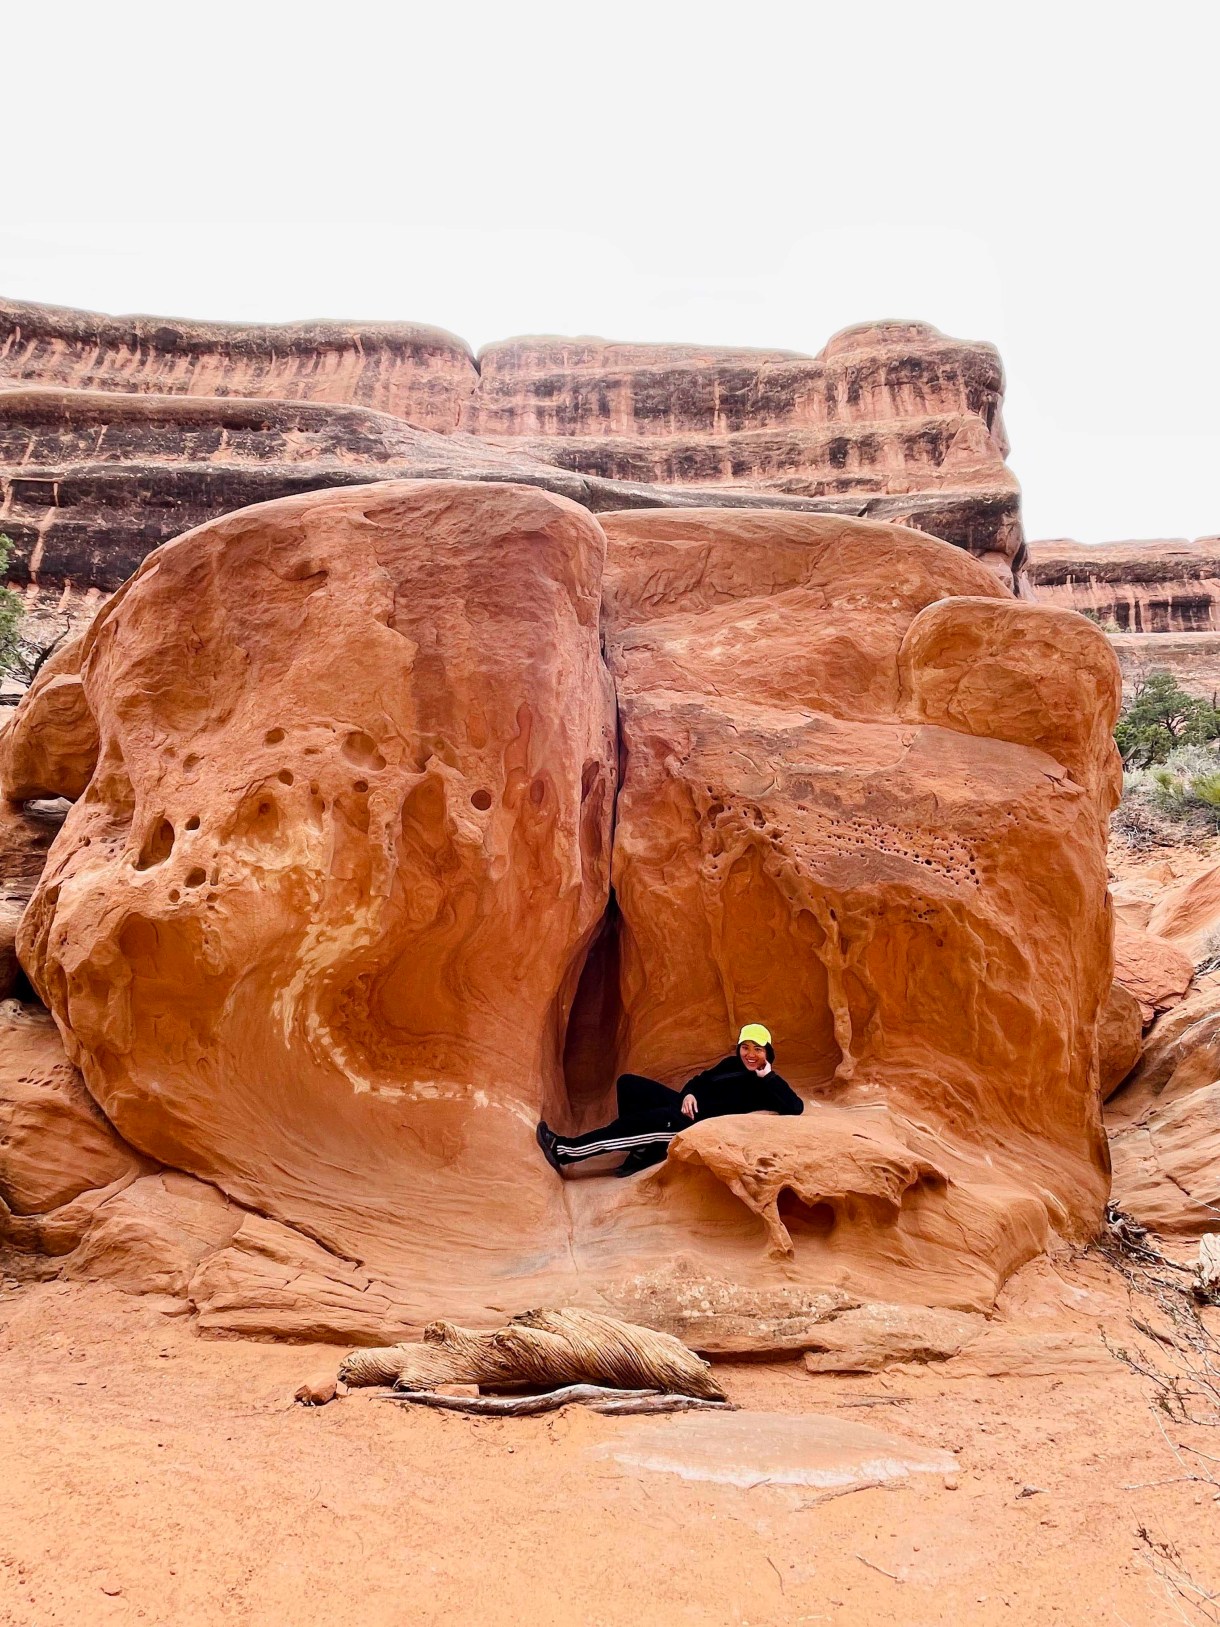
<point>861,798</point>
<point>330,921</point>
<point>313,930</point>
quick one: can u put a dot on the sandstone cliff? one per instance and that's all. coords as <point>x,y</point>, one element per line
<point>94,480</point>
<point>1159,600</point>
<point>418,373</point>
<point>119,433</point>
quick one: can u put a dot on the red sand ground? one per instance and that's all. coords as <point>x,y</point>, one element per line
<point>148,1475</point>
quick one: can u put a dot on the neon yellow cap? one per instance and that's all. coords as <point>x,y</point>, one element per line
<point>755,1032</point>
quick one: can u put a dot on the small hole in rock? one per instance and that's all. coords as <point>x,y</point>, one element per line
<point>481,800</point>
<point>361,786</point>
<point>360,749</point>
<point>158,846</point>
<point>196,877</point>
<point>193,822</point>
<point>285,776</point>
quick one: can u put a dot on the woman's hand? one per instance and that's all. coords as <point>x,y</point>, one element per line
<point>689,1105</point>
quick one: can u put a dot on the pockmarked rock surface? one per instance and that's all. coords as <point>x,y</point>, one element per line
<point>336,912</point>
<point>851,830</point>
<point>312,930</point>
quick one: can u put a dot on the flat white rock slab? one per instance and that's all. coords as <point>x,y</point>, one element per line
<point>775,1448</point>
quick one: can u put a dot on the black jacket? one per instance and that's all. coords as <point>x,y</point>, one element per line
<point>731,1087</point>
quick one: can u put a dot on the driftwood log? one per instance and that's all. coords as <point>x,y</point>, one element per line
<point>537,1350</point>
<point>597,1397</point>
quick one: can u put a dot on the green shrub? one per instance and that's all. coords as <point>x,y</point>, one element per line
<point>10,615</point>
<point>1173,802</point>
<point>1159,718</point>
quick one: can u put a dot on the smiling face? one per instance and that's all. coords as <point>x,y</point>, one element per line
<point>754,1056</point>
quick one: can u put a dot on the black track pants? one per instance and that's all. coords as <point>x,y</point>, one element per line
<point>649,1116</point>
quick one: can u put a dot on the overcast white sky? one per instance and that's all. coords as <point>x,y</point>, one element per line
<point>1043,176</point>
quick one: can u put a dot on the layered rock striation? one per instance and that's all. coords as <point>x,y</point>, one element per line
<point>95,480</point>
<point>891,409</point>
<point>1159,601</point>
<point>1133,587</point>
<point>418,373</point>
<point>119,433</point>
<point>373,855</point>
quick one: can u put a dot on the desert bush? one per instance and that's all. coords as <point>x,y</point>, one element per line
<point>1160,718</point>
<point>1141,828</point>
<point>24,649</point>
<point>10,615</point>
<point>1171,803</point>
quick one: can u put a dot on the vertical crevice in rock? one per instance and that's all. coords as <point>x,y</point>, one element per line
<point>595,1029</point>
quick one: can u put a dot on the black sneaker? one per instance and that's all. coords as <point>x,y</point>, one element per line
<point>641,1158</point>
<point>546,1139</point>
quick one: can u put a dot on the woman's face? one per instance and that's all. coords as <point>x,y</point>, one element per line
<point>754,1056</point>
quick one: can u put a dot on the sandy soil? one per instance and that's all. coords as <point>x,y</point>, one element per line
<point>148,1475</point>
